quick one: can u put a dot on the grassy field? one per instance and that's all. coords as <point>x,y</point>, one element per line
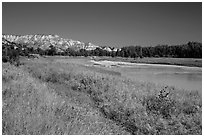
<point>43,96</point>
<point>191,62</point>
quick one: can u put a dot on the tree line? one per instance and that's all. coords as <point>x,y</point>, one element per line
<point>189,50</point>
<point>11,51</point>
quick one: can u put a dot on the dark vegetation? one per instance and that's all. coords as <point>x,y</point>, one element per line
<point>10,53</point>
<point>189,50</point>
<point>45,97</point>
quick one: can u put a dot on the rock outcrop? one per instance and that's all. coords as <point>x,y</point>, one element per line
<point>44,41</point>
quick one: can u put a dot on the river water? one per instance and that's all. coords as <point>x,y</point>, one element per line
<point>187,78</point>
<point>182,78</point>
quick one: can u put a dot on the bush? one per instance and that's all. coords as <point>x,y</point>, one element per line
<point>160,106</point>
<point>5,59</point>
<point>9,54</point>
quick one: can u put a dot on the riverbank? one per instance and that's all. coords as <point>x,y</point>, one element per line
<point>189,62</point>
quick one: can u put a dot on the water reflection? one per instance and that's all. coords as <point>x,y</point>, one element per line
<point>183,78</point>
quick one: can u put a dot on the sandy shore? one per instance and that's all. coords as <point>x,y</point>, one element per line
<point>107,63</point>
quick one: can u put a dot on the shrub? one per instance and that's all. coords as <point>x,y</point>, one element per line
<point>9,54</point>
<point>160,106</point>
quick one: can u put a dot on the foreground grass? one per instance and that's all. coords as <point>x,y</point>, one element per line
<point>44,97</point>
<point>31,106</point>
<point>191,62</point>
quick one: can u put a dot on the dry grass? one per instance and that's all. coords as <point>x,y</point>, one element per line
<point>56,98</point>
<point>31,107</point>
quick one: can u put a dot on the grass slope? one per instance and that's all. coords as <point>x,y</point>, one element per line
<point>46,97</point>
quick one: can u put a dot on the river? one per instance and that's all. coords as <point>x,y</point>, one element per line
<point>181,77</point>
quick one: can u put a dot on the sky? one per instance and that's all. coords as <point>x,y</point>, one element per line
<point>107,24</point>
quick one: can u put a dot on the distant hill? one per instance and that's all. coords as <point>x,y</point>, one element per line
<point>45,41</point>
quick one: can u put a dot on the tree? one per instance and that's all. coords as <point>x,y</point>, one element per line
<point>51,50</point>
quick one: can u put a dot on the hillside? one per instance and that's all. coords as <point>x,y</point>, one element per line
<point>44,41</point>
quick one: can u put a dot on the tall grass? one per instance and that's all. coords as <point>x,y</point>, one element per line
<point>31,107</point>
<point>107,104</point>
